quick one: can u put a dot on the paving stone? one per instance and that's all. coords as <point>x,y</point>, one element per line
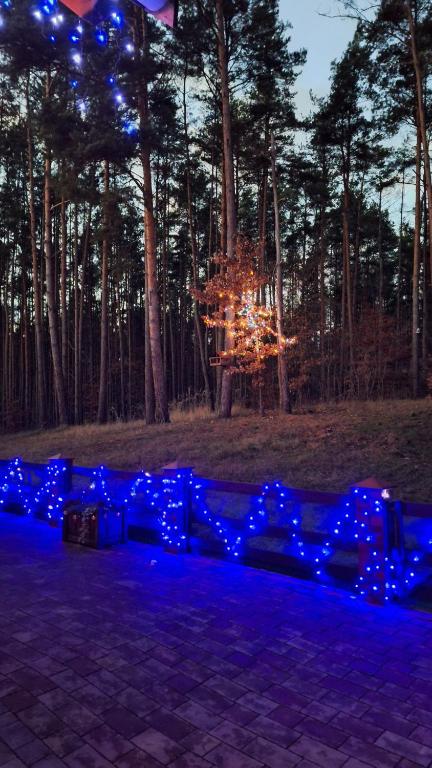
<point>285,716</point>
<point>413,750</point>
<point>15,734</point>
<point>404,763</point>
<point>325,732</point>
<point>7,686</point>
<point>78,717</point>
<point>108,683</point>
<point>345,703</point>
<point>199,742</point>
<point>369,753</point>
<point>158,745</point>
<point>225,756</point>
<point>239,715</point>
<point>197,672</point>
<point>6,754</point>
<point>136,758</point>
<point>64,742</point>
<point>40,720</point>
<point>109,743</point>
<point>189,760</point>
<point>93,698</point>
<point>136,701</point>
<point>198,716</point>
<point>168,723</point>
<point>252,681</point>
<point>51,761</point>
<point>94,643</point>
<point>31,680</point>
<point>20,699</point>
<point>385,721</point>
<point>273,731</point>
<point>225,687</point>
<point>55,699</point>
<point>32,752</point>
<point>259,704</point>
<point>47,666</point>
<point>123,721</point>
<point>271,754</point>
<point>8,663</point>
<point>68,680</point>
<point>210,699</point>
<point>423,735</point>
<point>182,683</point>
<point>232,734</point>
<point>318,753</point>
<point>87,757</point>
<point>83,666</point>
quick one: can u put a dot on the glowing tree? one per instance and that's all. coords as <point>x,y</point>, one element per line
<point>250,326</point>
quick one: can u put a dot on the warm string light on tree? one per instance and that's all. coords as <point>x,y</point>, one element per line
<point>252,332</point>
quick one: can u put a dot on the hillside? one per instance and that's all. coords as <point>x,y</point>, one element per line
<point>328,447</point>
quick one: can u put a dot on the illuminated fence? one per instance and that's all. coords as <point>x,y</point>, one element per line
<point>382,548</point>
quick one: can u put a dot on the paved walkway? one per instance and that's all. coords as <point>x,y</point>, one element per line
<point>108,658</point>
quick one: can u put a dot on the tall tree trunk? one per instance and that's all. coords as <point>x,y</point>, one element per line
<point>63,289</point>
<point>380,287</point>
<point>399,280</point>
<point>347,273</point>
<point>194,250</point>
<point>322,295</point>
<point>77,297</point>
<point>284,398</point>
<point>40,359</point>
<point>415,275</point>
<point>421,118</point>
<point>51,288</point>
<point>150,247</point>
<point>226,388</point>
<point>102,414</point>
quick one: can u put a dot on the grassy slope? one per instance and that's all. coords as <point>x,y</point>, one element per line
<point>328,448</point>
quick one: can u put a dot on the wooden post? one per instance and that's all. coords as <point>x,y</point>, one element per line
<point>370,500</point>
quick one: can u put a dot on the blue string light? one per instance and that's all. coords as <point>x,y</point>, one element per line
<point>389,573</point>
<point>13,490</point>
<point>166,496</point>
<point>48,499</point>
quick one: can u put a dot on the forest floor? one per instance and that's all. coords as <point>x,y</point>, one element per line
<point>327,447</point>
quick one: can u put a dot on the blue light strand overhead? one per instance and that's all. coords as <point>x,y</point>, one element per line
<point>54,25</point>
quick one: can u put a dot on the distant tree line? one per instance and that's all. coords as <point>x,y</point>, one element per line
<point>120,181</point>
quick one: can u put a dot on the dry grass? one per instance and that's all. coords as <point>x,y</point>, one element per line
<point>328,447</point>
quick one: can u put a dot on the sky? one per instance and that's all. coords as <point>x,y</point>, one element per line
<point>325,39</point>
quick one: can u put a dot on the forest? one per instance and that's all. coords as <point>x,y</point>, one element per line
<point>142,169</point>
